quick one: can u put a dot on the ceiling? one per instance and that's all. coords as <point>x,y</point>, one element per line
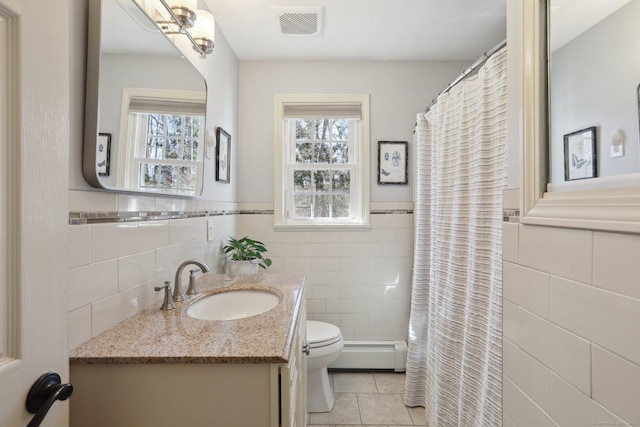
<point>570,18</point>
<point>374,30</point>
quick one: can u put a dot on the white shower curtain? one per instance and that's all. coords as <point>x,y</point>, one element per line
<point>454,366</point>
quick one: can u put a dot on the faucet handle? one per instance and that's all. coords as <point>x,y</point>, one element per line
<point>193,288</point>
<point>168,303</point>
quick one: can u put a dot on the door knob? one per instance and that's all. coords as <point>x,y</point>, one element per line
<point>43,394</point>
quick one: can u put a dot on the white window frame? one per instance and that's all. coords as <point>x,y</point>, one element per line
<point>285,157</point>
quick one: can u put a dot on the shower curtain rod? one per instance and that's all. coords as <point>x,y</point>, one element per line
<point>473,67</point>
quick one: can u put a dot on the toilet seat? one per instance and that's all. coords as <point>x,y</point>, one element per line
<point>320,334</point>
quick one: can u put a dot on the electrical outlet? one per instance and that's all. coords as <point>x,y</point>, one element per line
<point>209,230</point>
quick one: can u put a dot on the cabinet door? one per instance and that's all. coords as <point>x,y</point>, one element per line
<point>293,379</point>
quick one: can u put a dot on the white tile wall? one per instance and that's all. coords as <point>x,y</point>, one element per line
<point>605,318</point>
<point>521,409</point>
<point>529,374</point>
<point>527,288</point>
<point>571,407</point>
<point>571,327</point>
<point>615,384</point>
<point>615,263</point>
<point>358,280</point>
<point>113,267</point>
<point>557,348</point>
<point>561,251</point>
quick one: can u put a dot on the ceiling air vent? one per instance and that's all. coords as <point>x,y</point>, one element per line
<point>298,20</point>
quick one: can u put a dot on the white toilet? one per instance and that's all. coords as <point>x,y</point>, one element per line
<point>325,344</point>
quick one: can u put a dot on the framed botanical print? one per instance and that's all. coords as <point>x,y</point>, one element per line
<point>393,162</point>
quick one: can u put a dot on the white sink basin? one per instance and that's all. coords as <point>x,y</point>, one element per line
<point>233,305</point>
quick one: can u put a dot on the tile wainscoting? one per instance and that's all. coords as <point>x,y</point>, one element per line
<point>121,246</point>
<point>571,306</point>
<point>357,280</point>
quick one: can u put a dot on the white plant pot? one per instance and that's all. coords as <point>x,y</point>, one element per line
<point>243,267</point>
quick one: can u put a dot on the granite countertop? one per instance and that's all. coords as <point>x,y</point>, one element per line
<point>172,336</point>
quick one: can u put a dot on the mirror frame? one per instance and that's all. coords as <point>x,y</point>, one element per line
<point>612,203</point>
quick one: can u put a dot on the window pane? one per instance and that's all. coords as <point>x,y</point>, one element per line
<point>148,174</point>
<point>304,130</point>
<point>187,150</point>
<point>195,145</point>
<point>322,180</point>
<point>187,177</point>
<point>340,130</point>
<point>322,206</point>
<point>341,206</point>
<point>302,206</point>
<point>341,180</point>
<point>191,126</point>
<point>174,125</point>
<point>196,126</point>
<point>155,148</point>
<point>304,152</point>
<point>323,152</point>
<point>173,149</point>
<point>340,152</point>
<point>168,175</point>
<point>155,124</point>
<point>322,130</point>
<point>301,180</point>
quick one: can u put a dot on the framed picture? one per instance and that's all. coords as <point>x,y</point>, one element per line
<point>103,154</point>
<point>580,160</point>
<point>223,156</point>
<point>392,162</point>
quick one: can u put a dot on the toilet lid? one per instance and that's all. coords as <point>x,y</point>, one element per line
<point>320,334</point>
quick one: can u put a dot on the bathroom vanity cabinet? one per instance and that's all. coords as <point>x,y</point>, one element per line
<point>235,385</point>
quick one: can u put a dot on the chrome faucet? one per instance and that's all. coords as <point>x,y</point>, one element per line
<point>178,292</point>
<point>167,304</point>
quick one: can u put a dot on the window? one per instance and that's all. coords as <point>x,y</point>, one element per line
<point>167,151</point>
<point>322,161</point>
<point>165,140</point>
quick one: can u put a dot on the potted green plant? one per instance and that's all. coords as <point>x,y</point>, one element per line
<point>245,255</point>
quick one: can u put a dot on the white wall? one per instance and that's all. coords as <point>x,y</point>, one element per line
<point>595,83</point>
<point>571,310</point>
<point>398,92</point>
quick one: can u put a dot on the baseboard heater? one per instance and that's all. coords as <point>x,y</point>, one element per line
<point>372,355</point>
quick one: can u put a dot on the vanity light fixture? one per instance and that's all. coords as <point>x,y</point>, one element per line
<point>183,17</point>
<point>204,30</point>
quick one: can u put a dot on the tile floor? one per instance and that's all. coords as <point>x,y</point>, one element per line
<point>368,399</point>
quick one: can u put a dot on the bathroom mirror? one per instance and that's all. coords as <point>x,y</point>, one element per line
<point>594,73</point>
<point>145,105</point>
<point>601,203</point>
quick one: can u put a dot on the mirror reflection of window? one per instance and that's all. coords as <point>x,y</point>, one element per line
<point>164,142</point>
<point>168,152</point>
<point>594,78</point>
